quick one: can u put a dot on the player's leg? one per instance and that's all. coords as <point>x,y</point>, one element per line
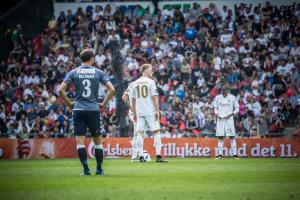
<point>140,145</point>
<point>81,151</point>
<point>99,154</point>
<point>220,147</point>
<point>80,131</point>
<point>140,125</point>
<point>93,123</point>
<point>154,126</point>
<point>230,132</point>
<point>220,133</point>
<point>157,145</point>
<point>134,153</point>
<point>233,147</point>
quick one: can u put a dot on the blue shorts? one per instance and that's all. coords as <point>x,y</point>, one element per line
<point>86,119</point>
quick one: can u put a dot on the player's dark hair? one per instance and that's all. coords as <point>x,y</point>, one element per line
<point>86,55</point>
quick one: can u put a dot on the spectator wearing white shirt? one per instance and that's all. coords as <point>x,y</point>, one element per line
<point>290,64</point>
<point>245,49</point>
<point>113,36</point>
<point>217,61</point>
<point>281,68</point>
<point>26,80</point>
<point>34,79</point>
<point>262,40</point>
<point>110,24</point>
<point>100,58</point>
<point>98,12</point>
<point>255,106</point>
<point>168,12</point>
<point>247,60</point>
<point>28,92</point>
<point>201,117</point>
<point>197,105</point>
<point>45,93</point>
<point>295,50</point>
<point>224,13</point>
<point>225,37</point>
<point>283,51</point>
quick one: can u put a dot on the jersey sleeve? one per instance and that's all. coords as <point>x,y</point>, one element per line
<point>133,92</point>
<point>153,88</point>
<point>103,77</point>
<point>128,91</point>
<point>69,77</point>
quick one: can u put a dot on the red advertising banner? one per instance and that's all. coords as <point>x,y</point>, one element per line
<point>172,147</point>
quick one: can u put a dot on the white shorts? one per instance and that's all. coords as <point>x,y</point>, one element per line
<point>225,127</point>
<point>145,123</point>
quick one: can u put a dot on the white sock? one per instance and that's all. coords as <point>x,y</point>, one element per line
<point>140,145</point>
<point>233,147</point>
<point>220,147</point>
<point>99,146</point>
<point>79,146</point>
<point>157,144</point>
<point>134,148</point>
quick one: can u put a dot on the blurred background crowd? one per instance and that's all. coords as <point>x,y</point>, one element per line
<point>255,50</point>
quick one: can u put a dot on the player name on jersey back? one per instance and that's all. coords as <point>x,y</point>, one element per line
<point>86,73</point>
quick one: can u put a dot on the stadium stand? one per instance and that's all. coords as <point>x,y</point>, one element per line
<point>193,52</point>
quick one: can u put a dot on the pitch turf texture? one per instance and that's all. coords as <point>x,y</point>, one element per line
<point>179,179</point>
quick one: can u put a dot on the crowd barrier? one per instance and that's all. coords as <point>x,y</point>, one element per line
<point>172,147</point>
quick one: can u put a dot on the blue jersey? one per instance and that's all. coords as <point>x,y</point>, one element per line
<point>86,80</point>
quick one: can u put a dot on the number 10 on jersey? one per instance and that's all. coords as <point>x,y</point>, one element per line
<point>142,91</point>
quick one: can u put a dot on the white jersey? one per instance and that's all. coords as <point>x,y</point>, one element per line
<point>143,90</point>
<point>128,91</point>
<point>224,106</point>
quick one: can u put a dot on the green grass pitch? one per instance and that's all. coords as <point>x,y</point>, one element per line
<point>191,178</point>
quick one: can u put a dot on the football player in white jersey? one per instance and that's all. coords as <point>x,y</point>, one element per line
<point>225,107</point>
<point>127,98</point>
<point>146,110</point>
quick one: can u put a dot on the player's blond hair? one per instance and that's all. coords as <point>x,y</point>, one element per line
<point>145,67</point>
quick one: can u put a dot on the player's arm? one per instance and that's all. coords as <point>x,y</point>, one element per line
<point>62,89</point>
<point>133,104</point>
<point>62,93</point>
<point>215,104</point>
<point>154,95</point>
<point>125,98</point>
<point>236,108</point>
<point>134,107</point>
<point>110,94</point>
<point>155,102</point>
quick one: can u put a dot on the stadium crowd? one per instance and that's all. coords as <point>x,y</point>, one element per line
<point>194,52</point>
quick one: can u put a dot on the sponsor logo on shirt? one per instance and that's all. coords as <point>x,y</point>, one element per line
<point>86,71</point>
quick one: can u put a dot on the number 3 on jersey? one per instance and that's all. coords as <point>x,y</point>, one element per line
<point>87,88</point>
<point>142,91</point>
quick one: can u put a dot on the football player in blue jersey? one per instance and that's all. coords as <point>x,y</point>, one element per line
<point>86,114</point>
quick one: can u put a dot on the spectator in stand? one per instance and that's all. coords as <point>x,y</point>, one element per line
<point>257,52</point>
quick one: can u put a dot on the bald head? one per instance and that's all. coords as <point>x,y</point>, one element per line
<point>224,90</point>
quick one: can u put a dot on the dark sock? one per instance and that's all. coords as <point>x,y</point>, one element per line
<point>83,158</point>
<point>99,158</point>
<point>158,156</point>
